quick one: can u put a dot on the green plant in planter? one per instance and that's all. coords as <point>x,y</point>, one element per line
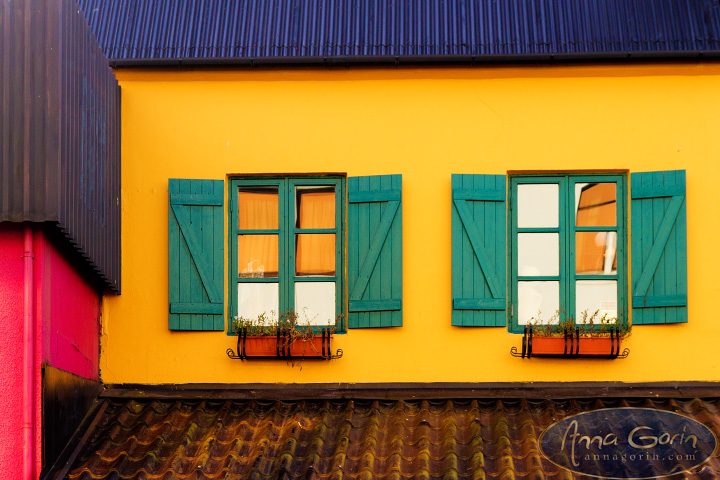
<point>264,325</point>
<point>550,328</point>
<point>591,325</point>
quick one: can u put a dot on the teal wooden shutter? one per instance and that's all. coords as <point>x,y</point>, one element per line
<point>196,254</point>
<point>478,250</point>
<point>375,251</point>
<point>659,247</point>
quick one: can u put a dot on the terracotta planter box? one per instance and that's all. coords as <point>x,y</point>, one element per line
<point>571,345</point>
<point>588,345</point>
<point>309,348</point>
<point>270,347</point>
<point>262,346</point>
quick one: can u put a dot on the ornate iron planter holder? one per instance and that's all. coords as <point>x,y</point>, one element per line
<point>571,345</point>
<point>283,347</point>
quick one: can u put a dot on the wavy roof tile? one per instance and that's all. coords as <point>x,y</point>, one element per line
<point>207,31</point>
<point>349,439</point>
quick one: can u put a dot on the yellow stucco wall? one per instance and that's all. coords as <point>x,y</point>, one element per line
<point>425,124</point>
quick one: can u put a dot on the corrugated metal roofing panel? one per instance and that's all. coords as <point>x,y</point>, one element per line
<point>196,29</point>
<point>60,130</point>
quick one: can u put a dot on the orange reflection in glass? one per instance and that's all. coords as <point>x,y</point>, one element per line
<point>596,206</point>
<point>315,254</point>
<point>315,207</point>
<point>258,256</point>
<point>258,208</point>
<point>596,253</point>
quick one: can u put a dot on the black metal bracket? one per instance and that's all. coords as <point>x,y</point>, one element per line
<point>283,341</point>
<point>572,346</point>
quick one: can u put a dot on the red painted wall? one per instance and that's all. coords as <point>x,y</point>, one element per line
<point>11,351</point>
<point>69,309</point>
<point>67,314</point>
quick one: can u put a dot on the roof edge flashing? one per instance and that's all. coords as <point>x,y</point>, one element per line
<point>458,390</point>
<point>413,60</point>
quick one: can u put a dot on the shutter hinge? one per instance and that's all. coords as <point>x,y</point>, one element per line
<point>511,309</point>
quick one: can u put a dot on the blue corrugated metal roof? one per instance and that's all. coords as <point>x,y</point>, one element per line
<point>303,29</point>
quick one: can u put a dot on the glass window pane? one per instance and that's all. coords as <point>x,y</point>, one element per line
<point>258,298</point>
<point>258,208</point>
<point>595,205</point>
<point>538,254</point>
<point>538,302</point>
<point>315,207</point>
<point>596,253</point>
<point>315,254</point>
<point>595,295</point>
<point>258,256</point>
<point>537,205</point>
<point>315,303</point>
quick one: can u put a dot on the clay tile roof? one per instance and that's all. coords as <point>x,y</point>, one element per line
<point>348,439</point>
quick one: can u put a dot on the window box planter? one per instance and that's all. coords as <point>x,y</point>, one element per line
<point>283,346</point>
<point>571,345</point>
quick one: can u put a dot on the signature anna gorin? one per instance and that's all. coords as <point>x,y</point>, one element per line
<point>628,443</point>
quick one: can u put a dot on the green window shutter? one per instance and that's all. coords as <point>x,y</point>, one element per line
<point>375,251</point>
<point>478,250</point>
<point>659,247</point>
<point>196,254</point>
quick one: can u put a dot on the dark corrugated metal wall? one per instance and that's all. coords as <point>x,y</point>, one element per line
<point>90,147</point>
<point>24,191</point>
<point>158,29</point>
<point>60,121</point>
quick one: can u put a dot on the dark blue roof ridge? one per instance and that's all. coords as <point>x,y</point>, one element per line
<point>392,31</point>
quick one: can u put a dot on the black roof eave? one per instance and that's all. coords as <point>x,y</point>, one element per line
<point>417,390</point>
<point>415,60</point>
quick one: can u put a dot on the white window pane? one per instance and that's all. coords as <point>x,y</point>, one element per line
<point>537,205</point>
<point>538,254</point>
<point>538,301</point>
<point>592,295</point>
<point>315,303</point>
<point>255,299</point>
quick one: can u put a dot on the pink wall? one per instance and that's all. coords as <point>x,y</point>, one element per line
<point>67,314</point>
<point>11,350</point>
<point>70,313</point>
